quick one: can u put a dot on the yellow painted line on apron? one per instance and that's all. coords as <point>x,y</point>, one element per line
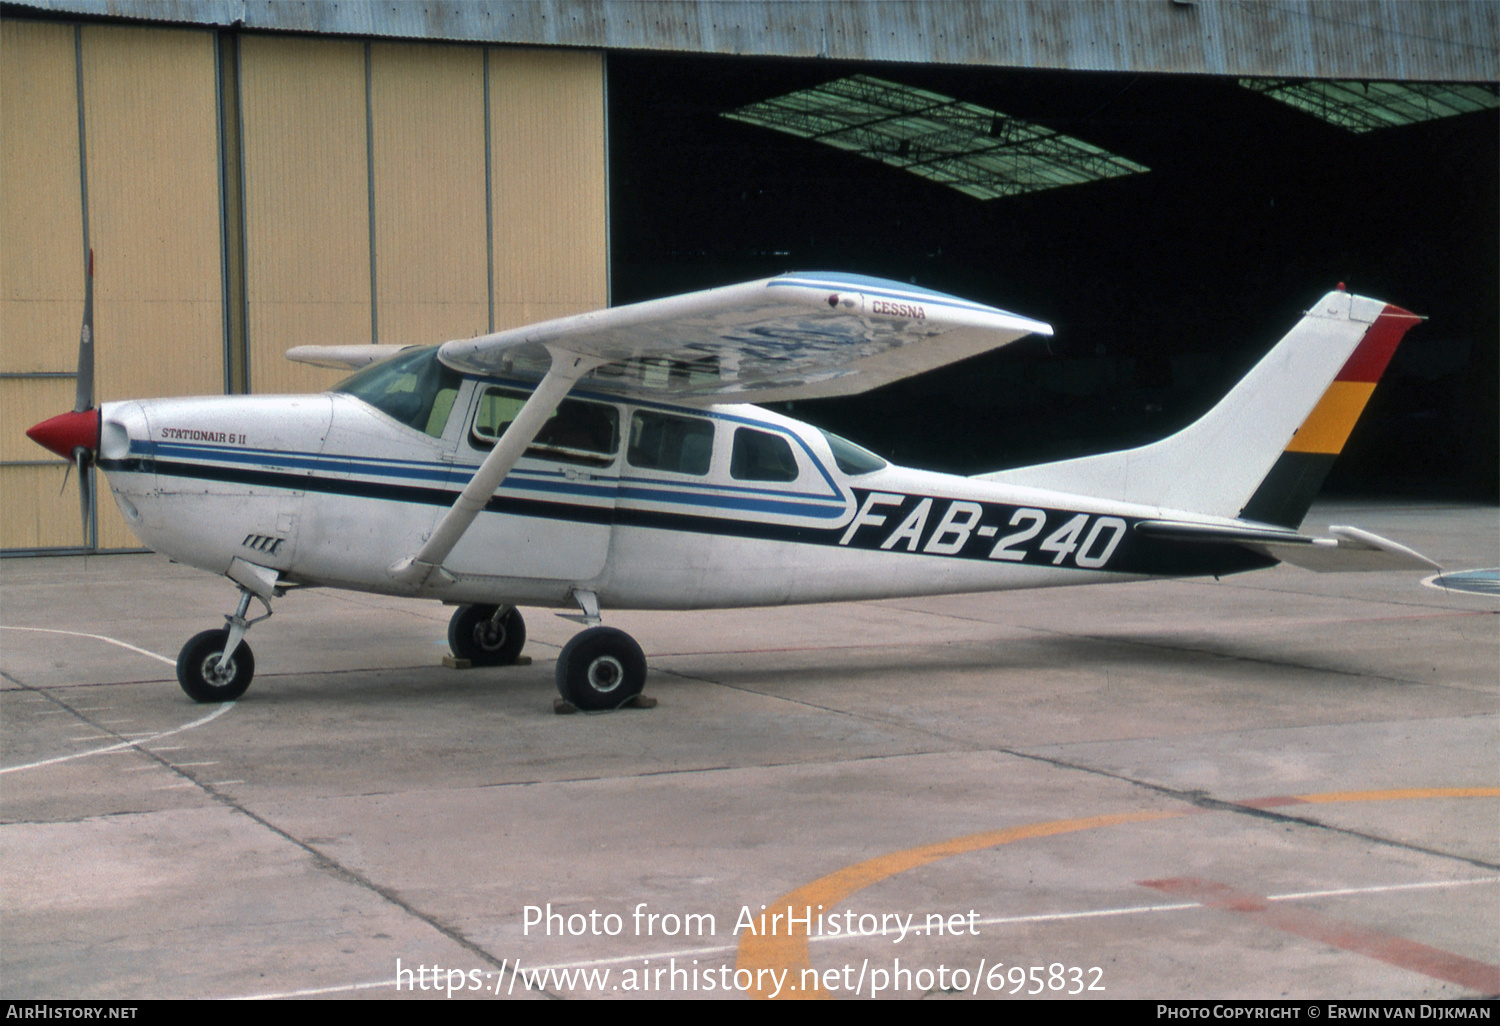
<point>789,952</point>
<point>786,952</point>
<point>1401,795</point>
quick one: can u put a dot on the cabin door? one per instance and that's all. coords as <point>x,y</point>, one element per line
<point>551,517</point>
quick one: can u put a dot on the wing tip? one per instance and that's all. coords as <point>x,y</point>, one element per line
<point>866,282</point>
<point>342,357</point>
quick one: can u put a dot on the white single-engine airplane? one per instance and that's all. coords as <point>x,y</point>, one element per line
<point>605,460</point>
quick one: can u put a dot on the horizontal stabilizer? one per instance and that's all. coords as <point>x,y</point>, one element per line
<point>1352,550</point>
<point>1183,530</point>
<point>1349,550</point>
<point>345,357</point>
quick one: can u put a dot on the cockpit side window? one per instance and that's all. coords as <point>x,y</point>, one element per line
<point>761,456</point>
<point>413,387</point>
<point>577,432</point>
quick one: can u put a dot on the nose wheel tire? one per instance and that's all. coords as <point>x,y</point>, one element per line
<point>601,668</point>
<point>475,633</point>
<point>198,668</point>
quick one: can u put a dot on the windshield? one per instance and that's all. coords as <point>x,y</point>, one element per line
<point>412,387</point>
<point>852,459</point>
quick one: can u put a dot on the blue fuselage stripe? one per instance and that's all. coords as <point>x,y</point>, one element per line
<point>700,498</point>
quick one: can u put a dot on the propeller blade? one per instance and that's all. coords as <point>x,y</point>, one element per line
<point>84,397</point>
<point>85,462</point>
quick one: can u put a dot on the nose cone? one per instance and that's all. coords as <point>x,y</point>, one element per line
<point>66,432</point>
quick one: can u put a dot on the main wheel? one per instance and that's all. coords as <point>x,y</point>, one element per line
<point>475,633</point>
<point>198,668</point>
<point>601,668</point>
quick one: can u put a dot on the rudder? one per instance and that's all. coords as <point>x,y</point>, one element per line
<point>1288,490</point>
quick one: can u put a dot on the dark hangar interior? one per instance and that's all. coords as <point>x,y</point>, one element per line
<point>1163,286</point>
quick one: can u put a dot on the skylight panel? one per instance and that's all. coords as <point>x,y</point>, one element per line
<point>980,152</point>
<point>1367,106</point>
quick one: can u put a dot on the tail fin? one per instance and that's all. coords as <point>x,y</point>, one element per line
<point>1261,453</point>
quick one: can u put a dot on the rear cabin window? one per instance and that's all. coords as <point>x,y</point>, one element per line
<point>660,441</point>
<point>852,459</point>
<point>761,456</point>
<point>577,432</point>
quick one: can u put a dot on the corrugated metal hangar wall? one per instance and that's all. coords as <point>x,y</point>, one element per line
<point>253,175</point>
<point>334,191</point>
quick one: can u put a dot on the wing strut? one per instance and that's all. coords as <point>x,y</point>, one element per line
<point>566,369</point>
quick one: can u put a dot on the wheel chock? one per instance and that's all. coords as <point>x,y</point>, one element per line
<point>563,707</point>
<point>455,663</point>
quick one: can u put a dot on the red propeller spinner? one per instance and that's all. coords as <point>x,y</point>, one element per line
<point>68,431</point>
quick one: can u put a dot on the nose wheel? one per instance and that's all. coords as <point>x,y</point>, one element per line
<point>199,671</point>
<point>601,668</point>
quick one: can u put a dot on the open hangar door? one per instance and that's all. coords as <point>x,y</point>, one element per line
<point>1164,284</point>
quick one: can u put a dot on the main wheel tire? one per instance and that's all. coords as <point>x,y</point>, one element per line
<point>601,668</point>
<point>197,668</point>
<point>476,634</point>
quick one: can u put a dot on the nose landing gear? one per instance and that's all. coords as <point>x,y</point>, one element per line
<point>217,665</point>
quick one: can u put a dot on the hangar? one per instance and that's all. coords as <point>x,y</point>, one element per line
<point>1166,182</point>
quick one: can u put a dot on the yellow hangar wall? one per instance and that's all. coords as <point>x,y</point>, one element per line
<point>41,288</point>
<point>152,220</point>
<point>307,206</point>
<point>365,206</point>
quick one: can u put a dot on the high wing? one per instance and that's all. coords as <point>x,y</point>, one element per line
<point>795,336</point>
<point>801,335</point>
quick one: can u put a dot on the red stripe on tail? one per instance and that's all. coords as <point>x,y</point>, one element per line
<point>1369,359</point>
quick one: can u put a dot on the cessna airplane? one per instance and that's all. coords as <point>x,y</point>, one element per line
<point>608,460</point>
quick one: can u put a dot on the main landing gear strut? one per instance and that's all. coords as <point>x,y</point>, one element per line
<point>487,635</point>
<point>601,668</point>
<point>217,665</point>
